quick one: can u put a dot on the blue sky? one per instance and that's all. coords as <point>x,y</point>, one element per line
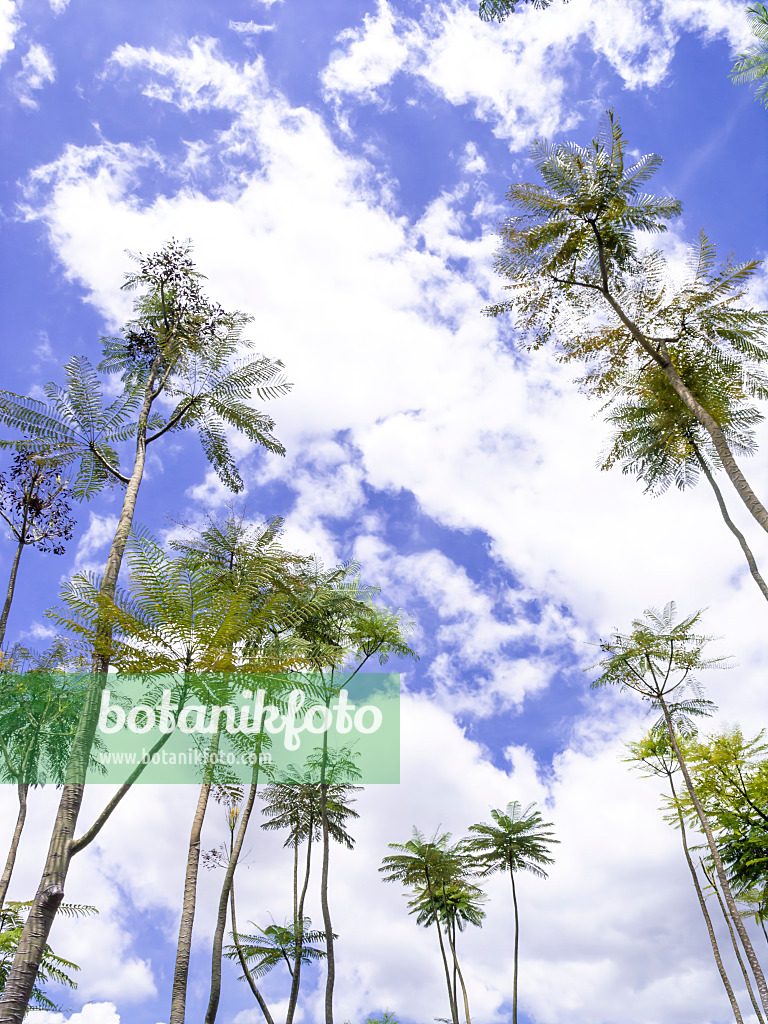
<point>340,169</point>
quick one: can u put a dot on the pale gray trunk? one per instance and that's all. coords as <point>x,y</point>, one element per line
<point>50,892</point>
<point>221,920</point>
<point>11,588</point>
<point>23,789</point>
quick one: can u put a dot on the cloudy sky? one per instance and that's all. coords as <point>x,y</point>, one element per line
<point>340,168</point>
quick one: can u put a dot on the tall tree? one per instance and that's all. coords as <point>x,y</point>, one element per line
<point>518,841</point>
<point>35,509</point>
<point>179,346</point>
<point>658,660</point>
<point>752,65</point>
<point>573,247</point>
<point>293,803</point>
<point>656,756</point>
<point>345,621</point>
<point>428,866</point>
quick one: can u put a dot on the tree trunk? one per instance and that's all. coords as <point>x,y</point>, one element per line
<point>705,912</point>
<point>296,980</point>
<point>517,939</point>
<point>50,892</point>
<point>732,527</point>
<point>457,970</point>
<point>23,789</point>
<point>221,920</point>
<point>184,944</point>
<point>734,943</point>
<point>706,828</point>
<point>330,960</point>
<point>451,1000</point>
<point>248,976</point>
<point>11,588</point>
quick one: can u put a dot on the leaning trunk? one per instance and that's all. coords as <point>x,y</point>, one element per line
<point>451,999</point>
<point>50,892</point>
<point>735,944</point>
<point>243,963</point>
<point>457,970</point>
<point>221,920</point>
<point>707,829</point>
<point>23,789</point>
<point>705,912</point>
<point>750,558</point>
<point>11,584</point>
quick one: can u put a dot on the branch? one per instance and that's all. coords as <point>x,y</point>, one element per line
<point>173,420</point>
<point>111,469</point>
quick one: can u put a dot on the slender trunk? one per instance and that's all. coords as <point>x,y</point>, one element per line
<point>732,526</point>
<point>707,829</point>
<point>296,980</point>
<point>23,789</point>
<point>455,967</point>
<point>248,976</point>
<point>457,970</point>
<point>184,945</point>
<point>11,588</point>
<point>705,912</point>
<point>451,1000</point>
<point>517,940</point>
<point>762,925</point>
<point>221,921</point>
<point>50,892</point>
<point>330,959</point>
<point>734,943</point>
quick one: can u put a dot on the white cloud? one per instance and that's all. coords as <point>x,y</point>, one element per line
<point>517,74</point>
<point>37,71</point>
<point>92,1013</point>
<point>99,534</point>
<point>400,384</point>
<point>9,26</point>
<point>250,27</point>
<point>58,6</point>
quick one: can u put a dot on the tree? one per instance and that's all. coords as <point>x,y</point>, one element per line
<point>294,802</point>
<point>574,244</point>
<point>456,904</point>
<point>39,709</point>
<point>429,867</point>
<point>277,944</point>
<point>178,346</point>
<point>519,841</point>
<point>657,438</point>
<point>655,754</point>
<point>343,632</point>
<point>752,65</point>
<point>33,505</point>
<point>657,660</point>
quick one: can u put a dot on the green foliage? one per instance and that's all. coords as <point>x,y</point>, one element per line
<point>752,65</point>
<point>293,802</point>
<point>574,241</point>
<point>53,968</point>
<point>518,841</point>
<point>658,660</point>
<point>278,944</point>
<point>730,775</point>
<point>658,439</point>
<point>499,10</point>
<point>40,705</point>
<point>178,344</point>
